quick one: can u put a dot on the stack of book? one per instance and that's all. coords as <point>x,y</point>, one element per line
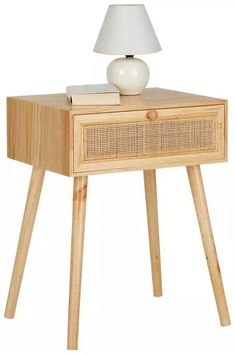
<point>102,94</point>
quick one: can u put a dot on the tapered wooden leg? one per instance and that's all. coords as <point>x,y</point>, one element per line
<point>152,215</point>
<point>34,192</point>
<point>79,209</point>
<point>196,183</point>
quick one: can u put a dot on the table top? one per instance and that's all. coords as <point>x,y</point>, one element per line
<point>150,98</point>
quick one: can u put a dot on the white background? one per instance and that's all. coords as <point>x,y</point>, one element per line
<point>46,45</point>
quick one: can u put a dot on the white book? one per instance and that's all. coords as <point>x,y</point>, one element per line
<point>101,94</point>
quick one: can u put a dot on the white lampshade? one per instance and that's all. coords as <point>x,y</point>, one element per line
<point>127,30</point>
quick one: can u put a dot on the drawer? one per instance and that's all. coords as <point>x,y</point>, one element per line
<point>149,139</point>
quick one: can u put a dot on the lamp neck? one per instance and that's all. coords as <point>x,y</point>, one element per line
<point>129,56</point>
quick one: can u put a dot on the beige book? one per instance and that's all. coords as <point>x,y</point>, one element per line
<point>101,94</point>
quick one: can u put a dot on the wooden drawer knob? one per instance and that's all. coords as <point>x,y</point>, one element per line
<point>152,115</point>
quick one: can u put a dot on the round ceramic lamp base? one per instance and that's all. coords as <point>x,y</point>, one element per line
<point>130,75</point>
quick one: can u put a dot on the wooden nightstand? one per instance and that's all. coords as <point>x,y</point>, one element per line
<point>159,128</point>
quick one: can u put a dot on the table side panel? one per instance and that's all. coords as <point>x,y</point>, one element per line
<point>40,135</point>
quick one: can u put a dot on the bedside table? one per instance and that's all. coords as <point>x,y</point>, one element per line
<point>159,128</point>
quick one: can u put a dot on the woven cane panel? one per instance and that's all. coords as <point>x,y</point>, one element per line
<point>148,139</point>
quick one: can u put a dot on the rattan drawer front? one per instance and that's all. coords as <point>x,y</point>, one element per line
<point>141,139</point>
<point>121,140</point>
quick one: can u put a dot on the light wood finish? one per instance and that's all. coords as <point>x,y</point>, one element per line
<point>159,128</point>
<point>79,208</point>
<point>196,183</point>
<point>42,129</point>
<point>24,240</point>
<point>150,98</point>
<point>152,215</point>
<point>169,123</point>
<point>40,135</point>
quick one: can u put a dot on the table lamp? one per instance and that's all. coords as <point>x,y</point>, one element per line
<point>127,30</point>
